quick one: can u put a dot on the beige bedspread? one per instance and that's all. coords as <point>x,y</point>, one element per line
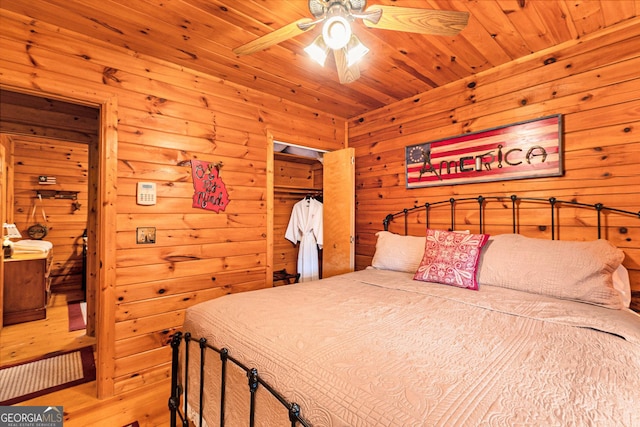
<point>375,348</point>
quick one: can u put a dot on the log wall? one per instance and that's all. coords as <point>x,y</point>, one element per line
<point>24,114</point>
<point>168,115</point>
<point>66,219</point>
<point>593,83</point>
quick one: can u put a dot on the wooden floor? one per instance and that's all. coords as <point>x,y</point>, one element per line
<point>29,340</point>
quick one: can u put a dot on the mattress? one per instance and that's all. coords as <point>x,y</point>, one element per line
<point>375,347</point>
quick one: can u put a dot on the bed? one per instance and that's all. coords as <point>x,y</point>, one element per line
<point>455,328</point>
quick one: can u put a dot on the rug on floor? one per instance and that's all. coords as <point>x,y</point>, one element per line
<point>77,315</point>
<point>52,372</point>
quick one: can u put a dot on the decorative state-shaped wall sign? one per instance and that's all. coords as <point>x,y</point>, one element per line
<point>210,192</point>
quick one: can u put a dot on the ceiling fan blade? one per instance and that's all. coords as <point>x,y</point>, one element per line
<point>281,34</point>
<point>424,21</point>
<point>346,74</point>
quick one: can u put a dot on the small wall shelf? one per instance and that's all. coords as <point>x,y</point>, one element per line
<point>57,194</point>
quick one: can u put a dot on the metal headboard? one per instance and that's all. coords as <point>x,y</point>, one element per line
<point>515,200</point>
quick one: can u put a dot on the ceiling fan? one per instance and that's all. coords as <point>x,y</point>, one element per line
<point>336,17</point>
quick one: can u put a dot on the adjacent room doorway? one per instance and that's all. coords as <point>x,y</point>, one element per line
<point>101,223</point>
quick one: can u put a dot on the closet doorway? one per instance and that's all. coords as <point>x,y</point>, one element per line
<point>297,172</point>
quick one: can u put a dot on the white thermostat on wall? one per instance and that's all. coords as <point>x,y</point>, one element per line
<point>146,193</point>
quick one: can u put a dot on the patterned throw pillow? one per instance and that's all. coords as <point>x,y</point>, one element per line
<point>451,258</point>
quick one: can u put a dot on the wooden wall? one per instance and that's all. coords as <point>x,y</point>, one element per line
<point>593,83</point>
<point>168,115</point>
<point>68,163</point>
<point>24,114</point>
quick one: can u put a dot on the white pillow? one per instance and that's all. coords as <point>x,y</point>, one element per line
<point>398,253</point>
<point>622,284</point>
<point>579,271</point>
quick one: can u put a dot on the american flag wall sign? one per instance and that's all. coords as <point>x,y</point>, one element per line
<point>529,149</point>
<point>46,180</point>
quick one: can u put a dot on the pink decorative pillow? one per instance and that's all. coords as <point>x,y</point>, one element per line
<point>451,258</point>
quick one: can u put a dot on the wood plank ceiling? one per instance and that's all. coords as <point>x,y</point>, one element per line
<point>200,34</point>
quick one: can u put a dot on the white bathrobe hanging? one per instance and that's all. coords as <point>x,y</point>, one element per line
<point>305,226</point>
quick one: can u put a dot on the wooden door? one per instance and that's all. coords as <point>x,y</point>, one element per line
<point>338,192</point>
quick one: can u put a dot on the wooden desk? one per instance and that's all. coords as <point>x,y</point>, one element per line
<point>26,287</point>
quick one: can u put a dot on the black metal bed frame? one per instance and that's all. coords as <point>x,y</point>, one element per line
<point>254,381</point>
<point>180,392</point>
<point>515,200</point>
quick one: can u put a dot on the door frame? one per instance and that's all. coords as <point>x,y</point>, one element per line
<point>270,210</point>
<point>101,254</point>
<point>339,244</point>
<point>4,184</point>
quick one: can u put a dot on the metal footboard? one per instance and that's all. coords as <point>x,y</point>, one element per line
<point>178,400</point>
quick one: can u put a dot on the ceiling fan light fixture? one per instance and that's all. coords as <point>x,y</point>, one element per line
<point>355,50</point>
<point>318,50</point>
<point>336,17</point>
<point>336,32</point>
